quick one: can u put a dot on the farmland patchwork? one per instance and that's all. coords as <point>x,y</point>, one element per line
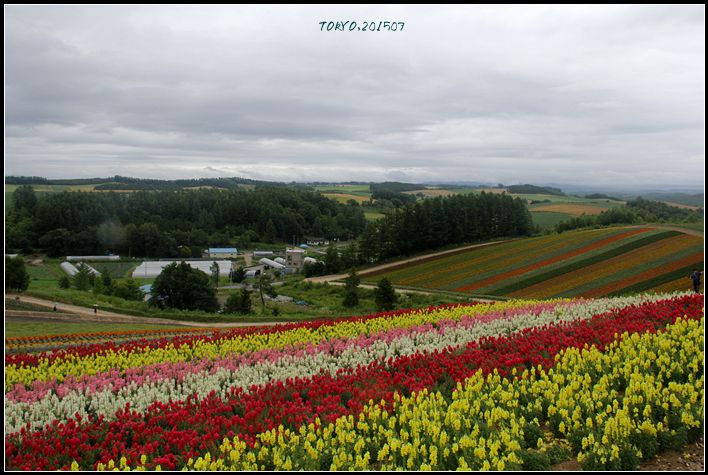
<point>583,263</point>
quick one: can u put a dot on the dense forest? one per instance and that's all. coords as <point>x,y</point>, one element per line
<point>442,221</point>
<point>172,223</point>
<point>180,223</point>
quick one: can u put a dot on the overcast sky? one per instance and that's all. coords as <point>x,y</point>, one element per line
<point>607,95</point>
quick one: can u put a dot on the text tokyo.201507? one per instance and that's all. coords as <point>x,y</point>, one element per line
<point>351,25</point>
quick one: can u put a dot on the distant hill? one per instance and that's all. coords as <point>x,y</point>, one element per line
<point>601,196</point>
<point>534,190</point>
<point>680,198</point>
<point>128,183</point>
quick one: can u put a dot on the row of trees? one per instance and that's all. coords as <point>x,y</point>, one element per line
<point>444,221</point>
<point>635,211</point>
<point>172,223</point>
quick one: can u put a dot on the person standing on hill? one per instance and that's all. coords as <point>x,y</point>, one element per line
<point>696,278</point>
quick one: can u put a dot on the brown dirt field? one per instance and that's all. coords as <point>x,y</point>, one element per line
<point>679,205</point>
<point>574,209</point>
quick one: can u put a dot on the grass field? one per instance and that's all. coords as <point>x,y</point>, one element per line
<point>548,220</point>
<point>580,263</point>
<point>361,190</point>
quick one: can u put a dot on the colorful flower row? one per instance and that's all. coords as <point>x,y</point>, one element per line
<point>33,343</point>
<point>96,358</point>
<point>105,393</point>
<point>504,276</point>
<point>450,272</point>
<point>169,433</point>
<point>615,408</point>
<point>612,268</point>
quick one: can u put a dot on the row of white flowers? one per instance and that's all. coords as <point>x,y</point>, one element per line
<point>279,365</point>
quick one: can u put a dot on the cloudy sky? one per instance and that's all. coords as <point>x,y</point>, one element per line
<point>608,96</point>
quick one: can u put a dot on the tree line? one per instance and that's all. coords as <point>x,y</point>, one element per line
<point>172,223</point>
<point>635,211</point>
<point>443,221</point>
<point>430,224</point>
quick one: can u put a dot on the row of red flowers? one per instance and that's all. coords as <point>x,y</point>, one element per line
<point>29,360</point>
<point>169,434</point>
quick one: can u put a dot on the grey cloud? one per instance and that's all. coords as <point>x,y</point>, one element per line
<point>524,93</point>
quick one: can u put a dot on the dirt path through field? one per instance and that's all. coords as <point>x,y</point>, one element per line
<point>75,313</point>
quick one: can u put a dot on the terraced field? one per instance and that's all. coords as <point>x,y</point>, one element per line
<point>588,263</point>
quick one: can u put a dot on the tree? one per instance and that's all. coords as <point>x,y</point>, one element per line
<point>24,199</point>
<point>215,273</point>
<point>110,235</point>
<point>265,285</point>
<point>270,231</point>
<point>128,289</point>
<point>238,303</point>
<point>82,278</point>
<point>238,275</point>
<point>64,282</point>
<point>351,294</point>
<point>107,281</point>
<point>16,276</point>
<point>182,287</point>
<point>56,242</point>
<point>385,296</point>
<point>331,259</point>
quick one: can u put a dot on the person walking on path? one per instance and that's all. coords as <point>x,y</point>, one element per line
<point>696,278</point>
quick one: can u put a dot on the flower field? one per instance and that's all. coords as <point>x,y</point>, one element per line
<point>591,263</point>
<point>512,385</point>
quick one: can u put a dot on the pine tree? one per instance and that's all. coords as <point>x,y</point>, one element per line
<point>16,276</point>
<point>385,295</point>
<point>351,294</point>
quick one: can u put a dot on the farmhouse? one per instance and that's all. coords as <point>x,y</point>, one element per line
<point>316,241</point>
<point>294,259</point>
<point>220,253</point>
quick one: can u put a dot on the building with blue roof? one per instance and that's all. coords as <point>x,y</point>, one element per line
<point>221,253</point>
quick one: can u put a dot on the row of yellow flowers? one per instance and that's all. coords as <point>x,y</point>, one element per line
<point>122,359</point>
<point>613,409</point>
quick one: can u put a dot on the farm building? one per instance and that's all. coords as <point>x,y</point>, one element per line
<point>220,253</point>
<point>71,270</point>
<point>294,259</point>
<point>316,241</point>
<point>270,263</point>
<point>262,253</point>
<point>153,268</point>
<point>92,258</point>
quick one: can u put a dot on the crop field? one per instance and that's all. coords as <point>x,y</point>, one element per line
<point>590,263</point>
<point>511,385</point>
<point>345,197</point>
<point>573,209</point>
<point>361,190</point>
